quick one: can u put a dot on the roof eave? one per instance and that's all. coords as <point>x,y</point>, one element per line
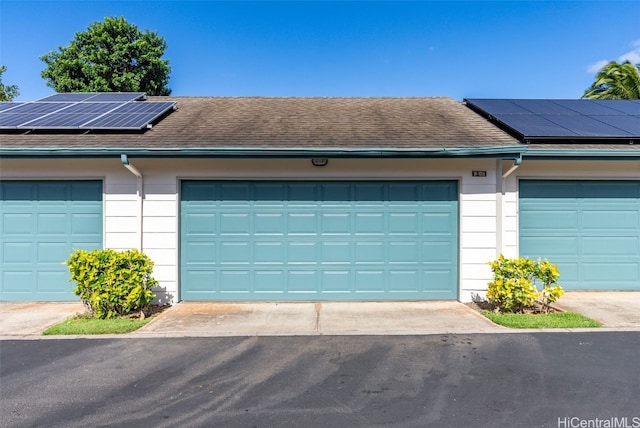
<point>264,152</point>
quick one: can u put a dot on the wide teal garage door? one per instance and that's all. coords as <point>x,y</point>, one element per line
<point>42,222</point>
<point>591,229</point>
<point>318,240</point>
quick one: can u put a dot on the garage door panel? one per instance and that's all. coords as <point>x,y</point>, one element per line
<point>335,252</point>
<point>42,223</point>
<point>600,248</point>
<point>302,252</point>
<point>54,282</point>
<point>17,224</point>
<point>335,194</point>
<point>370,281</point>
<point>601,272</point>
<point>302,223</point>
<point>438,223</point>
<point>200,223</point>
<point>49,252</point>
<point>303,281</point>
<point>370,223</point>
<point>435,277</point>
<point>610,219</point>
<point>437,251</point>
<point>372,195</point>
<point>318,240</point>
<point>269,281</point>
<point>404,252</point>
<point>235,281</point>
<point>269,253</point>
<point>17,252</point>
<point>17,283</point>
<point>200,252</point>
<point>336,281</point>
<point>235,224</point>
<point>335,224</point>
<point>269,224</point>
<point>559,219</point>
<point>235,253</point>
<point>52,224</point>
<point>201,282</point>
<point>404,281</point>
<point>84,224</point>
<point>403,224</point>
<point>608,190</point>
<point>370,252</point>
<point>549,246</point>
<point>604,246</point>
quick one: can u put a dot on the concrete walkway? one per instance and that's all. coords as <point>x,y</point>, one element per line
<point>615,310</point>
<point>620,309</point>
<point>326,318</point>
<point>32,318</point>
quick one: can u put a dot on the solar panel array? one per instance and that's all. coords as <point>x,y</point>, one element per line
<point>563,119</point>
<point>86,111</point>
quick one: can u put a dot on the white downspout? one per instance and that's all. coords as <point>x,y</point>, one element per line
<point>499,208</point>
<point>500,199</point>
<point>140,180</point>
<point>516,164</point>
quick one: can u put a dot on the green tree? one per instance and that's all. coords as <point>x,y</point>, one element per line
<point>110,56</point>
<point>616,82</point>
<point>7,92</point>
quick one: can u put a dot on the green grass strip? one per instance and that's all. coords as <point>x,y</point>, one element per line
<point>551,320</point>
<point>84,325</point>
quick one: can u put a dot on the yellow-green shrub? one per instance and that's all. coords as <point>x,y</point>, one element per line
<point>112,283</point>
<point>513,288</point>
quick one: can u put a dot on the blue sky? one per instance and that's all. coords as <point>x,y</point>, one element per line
<point>502,49</point>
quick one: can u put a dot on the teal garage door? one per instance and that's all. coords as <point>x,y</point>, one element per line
<point>42,222</point>
<point>318,240</point>
<point>590,229</point>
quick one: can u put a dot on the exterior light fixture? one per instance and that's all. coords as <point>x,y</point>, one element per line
<point>320,161</point>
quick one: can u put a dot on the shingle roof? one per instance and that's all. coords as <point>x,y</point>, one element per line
<point>270,123</point>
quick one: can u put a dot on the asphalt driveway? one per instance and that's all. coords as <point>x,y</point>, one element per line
<point>481,380</point>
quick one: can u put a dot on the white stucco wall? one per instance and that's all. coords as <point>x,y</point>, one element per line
<point>479,201</point>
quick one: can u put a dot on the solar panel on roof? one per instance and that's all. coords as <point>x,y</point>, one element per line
<point>95,97</point>
<point>8,106</point>
<point>585,126</point>
<point>587,107</point>
<point>61,121</point>
<point>42,108</point>
<point>632,107</point>
<point>131,116</point>
<point>563,119</point>
<point>124,111</point>
<point>543,107</point>
<point>532,125</point>
<point>118,96</point>
<point>88,107</point>
<point>629,124</point>
<point>497,106</point>
<point>13,121</point>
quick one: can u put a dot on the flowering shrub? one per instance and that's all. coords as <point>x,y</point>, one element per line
<point>112,283</point>
<point>513,288</point>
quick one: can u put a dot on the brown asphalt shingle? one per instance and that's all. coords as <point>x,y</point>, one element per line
<point>256,122</point>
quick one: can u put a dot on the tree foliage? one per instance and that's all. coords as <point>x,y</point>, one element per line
<point>7,92</point>
<point>616,82</point>
<point>110,56</point>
